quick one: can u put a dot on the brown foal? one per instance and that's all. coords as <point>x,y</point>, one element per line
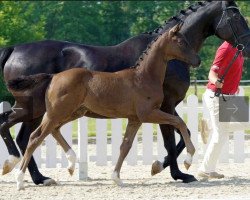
<point>135,93</point>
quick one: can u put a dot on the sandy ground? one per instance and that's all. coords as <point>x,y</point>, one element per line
<point>138,184</point>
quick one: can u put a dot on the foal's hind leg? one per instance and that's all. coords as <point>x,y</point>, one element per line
<point>70,154</point>
<point>128,139</point>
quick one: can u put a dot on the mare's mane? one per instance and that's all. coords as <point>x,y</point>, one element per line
<point>177,19</point>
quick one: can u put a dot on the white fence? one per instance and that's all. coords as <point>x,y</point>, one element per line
<point>150,147</point>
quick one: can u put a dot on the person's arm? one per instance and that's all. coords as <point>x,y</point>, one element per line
<point>213,78</point>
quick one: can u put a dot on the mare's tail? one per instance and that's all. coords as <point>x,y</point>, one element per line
<point>4,55</point>
<point>28,82</point>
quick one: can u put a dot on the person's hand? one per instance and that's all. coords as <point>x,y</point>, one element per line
<point>218,84</point>
<point>238,90</point>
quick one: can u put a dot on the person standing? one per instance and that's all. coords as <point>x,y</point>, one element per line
<point>229,88</point>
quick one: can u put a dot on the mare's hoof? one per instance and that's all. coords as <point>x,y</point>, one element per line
<point>157,167</point>
<point>189,179</point>
<point>49,182</point>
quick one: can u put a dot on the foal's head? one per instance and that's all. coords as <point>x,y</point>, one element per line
<point>177,47</point>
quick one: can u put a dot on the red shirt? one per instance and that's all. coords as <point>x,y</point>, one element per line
<point>223,57</point>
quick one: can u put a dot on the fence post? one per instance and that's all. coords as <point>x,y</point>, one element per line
<point>83,148</point>
<point>180,110</point>
<point>116,131</point>
<point>50,144</point>
<point>192,122</point>
<point>239,140</point>
<point>101,142</point>
<point>205,115</point>
<point>161,151</point>
<point>66,131</point>
<point>132,155</point>
<point>147,142</point>
<point>4,153</point>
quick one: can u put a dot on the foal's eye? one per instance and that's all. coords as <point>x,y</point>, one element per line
<point>181,43</point>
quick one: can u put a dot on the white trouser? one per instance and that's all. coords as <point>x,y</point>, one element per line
<point>220,132</point>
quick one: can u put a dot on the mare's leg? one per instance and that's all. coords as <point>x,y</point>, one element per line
<point>128,139</point>
<point>7,121</point>
<point>169,144</point>
<point>70,154</point>
<point>173,152</point>
<point>22,140</point>
<point>35,140</point>
<point>179,147</point>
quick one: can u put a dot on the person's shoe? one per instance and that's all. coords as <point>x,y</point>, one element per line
<point>205,130</point>
<point>211,175</point>
<point>216,175</point>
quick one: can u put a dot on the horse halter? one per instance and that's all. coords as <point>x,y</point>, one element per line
<point>237,38</point>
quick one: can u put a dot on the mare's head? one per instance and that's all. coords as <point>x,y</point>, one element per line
<point>232,26</point>
<point>177,47</point>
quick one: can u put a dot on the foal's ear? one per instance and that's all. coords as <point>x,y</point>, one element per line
<point>175,29</point>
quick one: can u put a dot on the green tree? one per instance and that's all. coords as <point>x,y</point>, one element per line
<point>20,23</point>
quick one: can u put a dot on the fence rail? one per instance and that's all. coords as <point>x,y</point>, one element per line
<point>145,150</point>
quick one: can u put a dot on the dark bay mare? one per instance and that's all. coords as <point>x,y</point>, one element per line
<point>220,18</point>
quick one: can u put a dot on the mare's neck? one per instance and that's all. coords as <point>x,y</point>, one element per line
<point>199,25</point>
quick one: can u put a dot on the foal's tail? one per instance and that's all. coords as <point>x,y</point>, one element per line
<point>24,83</point>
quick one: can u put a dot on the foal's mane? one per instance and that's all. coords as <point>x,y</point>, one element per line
<point>145,53</point>
<point>177,18</point>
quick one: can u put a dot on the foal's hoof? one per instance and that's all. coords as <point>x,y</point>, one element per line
<point>157,167</point>
<point>187,165</point>
<point>6,167</point>
<point>49,182</point>
<point>20,186</point>
<point>71,156</point>
<point>10,164</point>
<point>19,180</point>
<point>71,171</point>
<point>116,179</point>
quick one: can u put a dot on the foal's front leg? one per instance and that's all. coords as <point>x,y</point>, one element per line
<point>159,117</point>
<point>128,139</point>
